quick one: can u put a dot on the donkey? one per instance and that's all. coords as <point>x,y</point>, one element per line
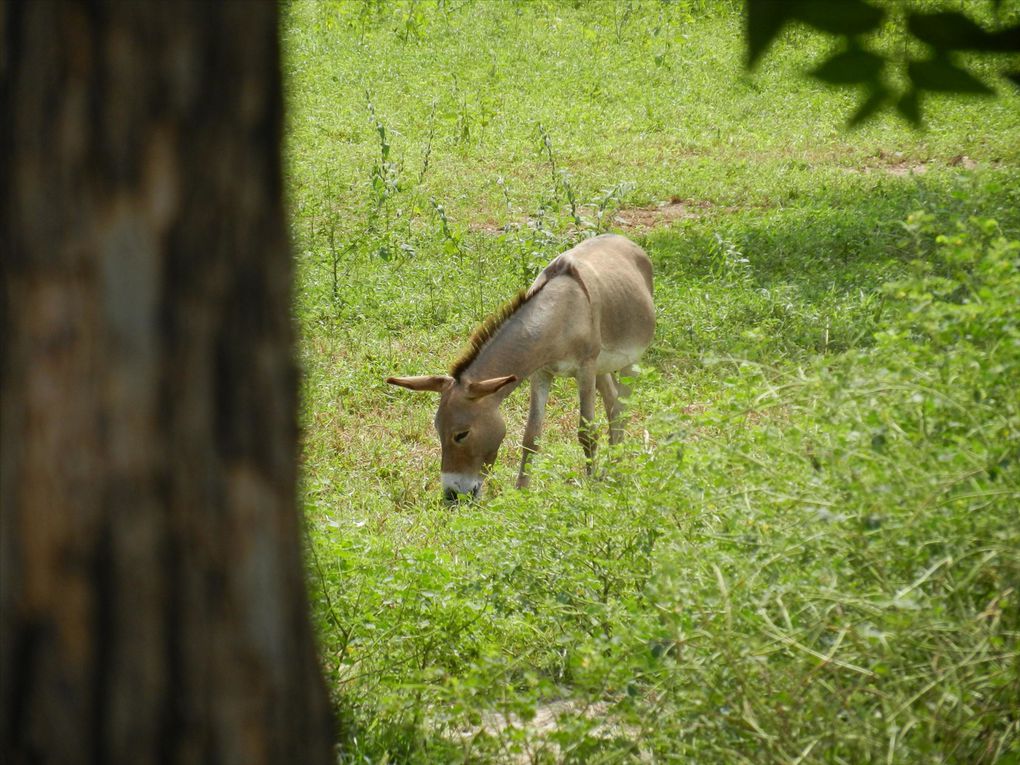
<point>588,315</point>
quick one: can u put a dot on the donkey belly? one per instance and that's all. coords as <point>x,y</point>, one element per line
<point>615,359</point>
<point>607,361</point>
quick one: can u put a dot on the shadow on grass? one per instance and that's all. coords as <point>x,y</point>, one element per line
<point>839,238</point>
<point>795,282</point>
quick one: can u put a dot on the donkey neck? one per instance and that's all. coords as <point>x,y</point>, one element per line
<point>519,347</point>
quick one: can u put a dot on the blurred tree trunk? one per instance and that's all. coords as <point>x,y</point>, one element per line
<point>153,603</point>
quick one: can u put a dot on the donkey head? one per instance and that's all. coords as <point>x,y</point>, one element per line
<point>469,424</point>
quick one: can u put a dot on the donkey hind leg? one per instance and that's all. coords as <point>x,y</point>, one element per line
<point>623,383</point>
<point>608,388</point>
<point>586,426</point>
<point>540,384</point>
<point>623,380</point>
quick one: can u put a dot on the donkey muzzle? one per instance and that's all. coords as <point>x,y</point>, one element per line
<point>456,485</point>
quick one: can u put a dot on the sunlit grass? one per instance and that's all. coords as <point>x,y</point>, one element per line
<point>807,546</point>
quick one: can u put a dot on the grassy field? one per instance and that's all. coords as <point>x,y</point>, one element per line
<point>808,547</point>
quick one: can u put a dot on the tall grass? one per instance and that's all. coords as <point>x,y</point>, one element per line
<point>807,548</point>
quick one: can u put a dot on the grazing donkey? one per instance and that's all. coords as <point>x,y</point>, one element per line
<point>587,315</point>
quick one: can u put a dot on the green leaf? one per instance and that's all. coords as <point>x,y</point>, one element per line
<point>1008,39</point>
<point>765,18</point>
<point>948,30</point>
<point>850,67</point>
<point>846,17</point>
<point>1014,77</point>
<point>940,75</point>
<point>909,107</point>
<point>875,101</point>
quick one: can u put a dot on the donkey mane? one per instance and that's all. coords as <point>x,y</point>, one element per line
<point>562,265</point>
<point>485,331</point>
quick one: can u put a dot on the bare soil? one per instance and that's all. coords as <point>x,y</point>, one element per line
<point>896,164</point>
<point>661,214</point>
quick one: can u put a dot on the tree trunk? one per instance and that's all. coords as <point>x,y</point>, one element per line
<point>152,595</point>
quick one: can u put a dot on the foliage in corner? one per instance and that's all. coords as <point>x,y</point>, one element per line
<point>943,35</point>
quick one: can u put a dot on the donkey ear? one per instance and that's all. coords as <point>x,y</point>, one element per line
<point>437,383</point>
<point>483,388</point>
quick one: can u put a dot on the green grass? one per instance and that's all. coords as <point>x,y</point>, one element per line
<point>809,544</point>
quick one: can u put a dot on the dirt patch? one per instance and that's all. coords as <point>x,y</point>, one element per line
<point>662,214</point>
<point>490,227</point>
<point>962,160</point>
<point>626,218</point>
<point>903,168</point>
<point>896,164</point>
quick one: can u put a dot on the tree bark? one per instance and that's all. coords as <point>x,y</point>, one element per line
<point>151,583</point>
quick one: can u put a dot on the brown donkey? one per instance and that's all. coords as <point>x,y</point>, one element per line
<point>588,315</point>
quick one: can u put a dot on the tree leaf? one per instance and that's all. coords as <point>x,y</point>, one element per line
<point>947,30</point>
<point>846,17</point>
<point>848,67</point>
<point>909,107</point>
<point>765,18</point>
<point>1007,40</point>
<point>941,75</point>
<point>951,30</point>
<point>875,101</point>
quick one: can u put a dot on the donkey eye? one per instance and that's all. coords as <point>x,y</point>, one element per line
<point>458,437</point>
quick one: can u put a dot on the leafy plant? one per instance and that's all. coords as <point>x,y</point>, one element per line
<point>942,35</point>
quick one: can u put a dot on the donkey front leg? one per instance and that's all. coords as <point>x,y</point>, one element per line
<point>540,384</point>
<point>586,427</point>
